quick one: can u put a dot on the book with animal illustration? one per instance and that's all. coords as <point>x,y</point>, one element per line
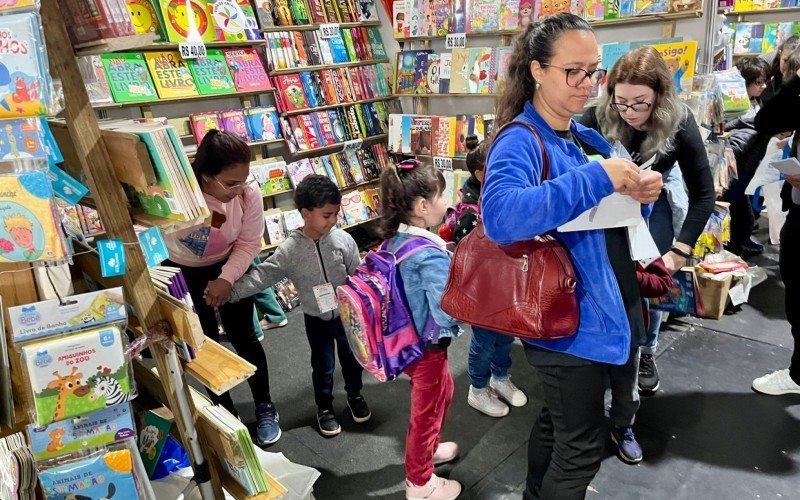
<point>24,72</point>
<point>106,476</point>
<point>484,15</point>
<point>275,228</point>
<point>233,122</point>
<point>247,70</point>
<point>176,22</point>
<point>211,74</point>
<point>96,429</point>
<point>128,77</point>
<point>29,224</point>
<point>681,58</point>
<point>153,436</point>
<point>77,374</point>
<point>262,123</point>
<point>170,74</point>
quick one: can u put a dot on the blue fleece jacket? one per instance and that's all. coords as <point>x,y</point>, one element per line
<point>518,206</point>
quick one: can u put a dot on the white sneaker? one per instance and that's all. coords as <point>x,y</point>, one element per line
<point>776,383</point>
<point>266,325</point>
<point>486,402</point>
<point>508,391</point>
<point>438,488</point>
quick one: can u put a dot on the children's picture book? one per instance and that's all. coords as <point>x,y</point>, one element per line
<point>744,35</point>
<point>105,476</point>
<point>276,231</point>
<point>683,297</point>
<point>203,122</point>
<point>354,206</point>
<point>460,71</point>
<point>77,374</point>
<point>401,21</point>
<point>292,220</point>
<point>441,14</point>
<point>94,78</point>
<point>29,224</point>
<point>272,176</point>
<point>509,15</point>
<point>176,20</point>
<point>421,73</point>
<point>299,170</point>
<point>153,436</point>
<point>595,10</point>
<point>247,70</point>
<point>234,20</point>
<point>293,97</point>
<point>128,77</point>
<point>22,138</point>
<point>24,71</point>
<point>144,17</point>
<point>170,74</point>
<point>547,9</point>
<point>233,123</point>
<point>484,15</point>
<point>262,123</point>
<point>646,7</point>
<point>211,74</point>
<point>681,59</point>
<point>96,429</point>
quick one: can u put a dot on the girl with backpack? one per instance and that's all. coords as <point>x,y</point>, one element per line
<point>413,200</point>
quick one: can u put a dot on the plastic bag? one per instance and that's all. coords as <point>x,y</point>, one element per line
<point>173,458</point>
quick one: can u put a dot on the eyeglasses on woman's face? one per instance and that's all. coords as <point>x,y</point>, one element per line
<point>576,76</point>
<point>637,107</point>
<point>233,186</point>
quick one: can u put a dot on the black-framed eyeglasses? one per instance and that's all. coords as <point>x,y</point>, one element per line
<point>576,76</point>
<point>637,107</point>
<point>760,81</point>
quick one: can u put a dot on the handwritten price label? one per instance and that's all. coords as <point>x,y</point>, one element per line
<point>443,162</point>
<point>192,50</point>
<point>330,30</point>
<point>353,145</point>
<point>456,41</point>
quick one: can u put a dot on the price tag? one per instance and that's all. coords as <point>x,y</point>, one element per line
<point>330,30</point>
<point>456,41</point>
<point>192,50</point>
<point>443,162</point>
<point>353,145</point>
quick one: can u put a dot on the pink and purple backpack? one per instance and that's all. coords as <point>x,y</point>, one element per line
<point>375,313</point>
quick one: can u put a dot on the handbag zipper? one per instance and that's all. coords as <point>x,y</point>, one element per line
<point>524,263</point>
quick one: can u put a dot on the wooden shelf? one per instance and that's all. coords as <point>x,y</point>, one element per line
<point>333,106</point>
<point>123,43</point>
<point>351,226</point>
<point>175,100</point>
<point>271,195</point>
<point>217,368</point>
<point>777,10</point>
<point>209,45</point>
<point>652,18</point>
<point>352,64</point>
<point>335,148</point>
<point>433,96</point>
<point>360,184</point>
<point>166,225</point>
<point>312,27</point>
<point>748,54</point>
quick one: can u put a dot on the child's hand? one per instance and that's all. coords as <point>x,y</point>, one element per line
<point>217,292</point>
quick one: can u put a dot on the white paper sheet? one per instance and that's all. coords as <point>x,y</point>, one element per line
<point>789,166</point>
<point>616,210</point>
<point>641,244</point>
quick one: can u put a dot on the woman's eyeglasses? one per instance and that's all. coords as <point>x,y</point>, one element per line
<point>636,107</point>
<point>576,76</point>
<point>760,82</point>
<point>236,186</point>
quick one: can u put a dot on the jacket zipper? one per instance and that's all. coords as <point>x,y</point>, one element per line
<point>324,272</point>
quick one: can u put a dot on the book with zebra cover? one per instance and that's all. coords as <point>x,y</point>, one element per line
<point>77,374</point>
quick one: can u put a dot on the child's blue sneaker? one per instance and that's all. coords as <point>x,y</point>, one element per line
<point>629,449</point>
<point>267,428</point>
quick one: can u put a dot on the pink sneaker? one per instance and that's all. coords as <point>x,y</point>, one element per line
<point>438,488</point>
<point>445,452</point>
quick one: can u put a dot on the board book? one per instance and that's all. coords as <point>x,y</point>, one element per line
<point>171,75</point>
<point>105,476</point>
<point>24,71</point>
<point>262,123</point>
<point>211,74</point>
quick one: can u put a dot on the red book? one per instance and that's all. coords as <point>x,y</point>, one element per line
<point>317,13</point>
<point>307,125</point>
<point>247,69</point>
<point>325,128</point>
<point>291,92</point>
<point>328,86</point>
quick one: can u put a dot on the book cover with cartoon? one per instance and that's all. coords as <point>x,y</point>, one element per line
<point>22,138</point>
<point>144,17</point>
<point>234,20</point>
<point>94,79</point>
<point>509,14</point>
<point>77,374</point>
<point>24,73</point>
<point>262,123</point>
<point>247,70</point>
<point>176,20</point>
<point>681,58</point>
<point>484,16</point>
<point>645,7</point>
<point>233,122</point>
<point>460,71</point>
<point>29,229</point>
<point>170,74</point>
<point>203,122</point>
<point>211,74</point>
<point>108,476</point>
<point>128,77</point>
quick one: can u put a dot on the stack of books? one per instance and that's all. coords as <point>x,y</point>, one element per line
<point>478,70</point>
<point>442,136</point>
<point>303,12</point>
<point>297,49</point>
<point>760,38</point>
<point>170,280</point>
<point>312,89</point>
<point>326,128</point>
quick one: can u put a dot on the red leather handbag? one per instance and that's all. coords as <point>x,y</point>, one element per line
<point>526,289</point>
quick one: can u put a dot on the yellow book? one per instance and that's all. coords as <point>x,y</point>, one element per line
<point>681,58</point>
<point>740,5</point>
<point>171,75</point>
<point>28,225</point>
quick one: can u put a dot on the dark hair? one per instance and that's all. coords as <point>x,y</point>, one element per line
<point>400,188</point>
<point>534,44</point>
<point>219,151</point>
<point>753,69</point>
<point>476,157</point>
<point>776,62</point>
<point>316,191</point>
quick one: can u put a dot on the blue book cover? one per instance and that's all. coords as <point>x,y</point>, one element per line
<point>106,476</point>
<point>338,50</point>
<point>308,88</point>
<point>338,126</point>
<point>326,162</point>
<point>262,123</point>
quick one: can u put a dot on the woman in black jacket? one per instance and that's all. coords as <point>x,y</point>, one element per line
<point>782,114</point>
<point>779,66</point>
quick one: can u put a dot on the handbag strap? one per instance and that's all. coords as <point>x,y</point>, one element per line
<point>545,157</point>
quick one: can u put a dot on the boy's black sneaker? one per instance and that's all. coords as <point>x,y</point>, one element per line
<point>328,425</point>
<point>648,374</point>
<point>359,409</point>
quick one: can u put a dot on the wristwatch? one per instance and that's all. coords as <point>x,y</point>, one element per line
<point>681,252</point>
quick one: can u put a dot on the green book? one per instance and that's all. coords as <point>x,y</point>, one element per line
<point>376,43</point>
<point>128,77</point>
<point>348,44</point>
<point>211,74</point>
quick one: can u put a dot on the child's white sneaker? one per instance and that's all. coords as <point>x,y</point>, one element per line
<point>508,391</point>
<point>776,384</point>
<point>437,488</point>
<point>445,452</point>
<point>486,402</point>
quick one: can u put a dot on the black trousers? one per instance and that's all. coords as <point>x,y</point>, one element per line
<point>742,220</point>
<point>790,273</point>
<point>237,320</point>
<point>326,337</point>
<point>568,440</point>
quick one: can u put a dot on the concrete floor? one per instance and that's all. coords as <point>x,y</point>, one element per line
<point>704,435</point>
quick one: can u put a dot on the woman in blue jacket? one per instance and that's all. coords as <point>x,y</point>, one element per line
<point>552,71</point>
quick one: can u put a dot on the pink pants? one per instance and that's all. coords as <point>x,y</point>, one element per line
<point>431,394</point>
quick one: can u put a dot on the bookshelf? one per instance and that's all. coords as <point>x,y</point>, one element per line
<point>133,42</point>
<point>434,96</point>
<point>340,105</point>
<point>352,64</point>
<point>314,27</point>
<point>740,14</point>
<point>335,148</point>
<point>178,100</point>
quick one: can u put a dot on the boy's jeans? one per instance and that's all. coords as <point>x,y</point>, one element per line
<point>489,355</point>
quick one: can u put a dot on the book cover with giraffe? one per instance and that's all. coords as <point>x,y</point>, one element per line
<point>77,374</point>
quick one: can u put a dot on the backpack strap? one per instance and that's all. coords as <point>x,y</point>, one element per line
<point>412,246</point>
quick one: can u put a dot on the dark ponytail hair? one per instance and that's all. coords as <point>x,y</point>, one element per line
<point>400,188</point>
<point>776,62</point>
<point>534,44</point>
<point>219,151</point>
<point>476,157</point>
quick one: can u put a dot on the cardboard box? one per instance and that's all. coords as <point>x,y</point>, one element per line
<point>713,295</point>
